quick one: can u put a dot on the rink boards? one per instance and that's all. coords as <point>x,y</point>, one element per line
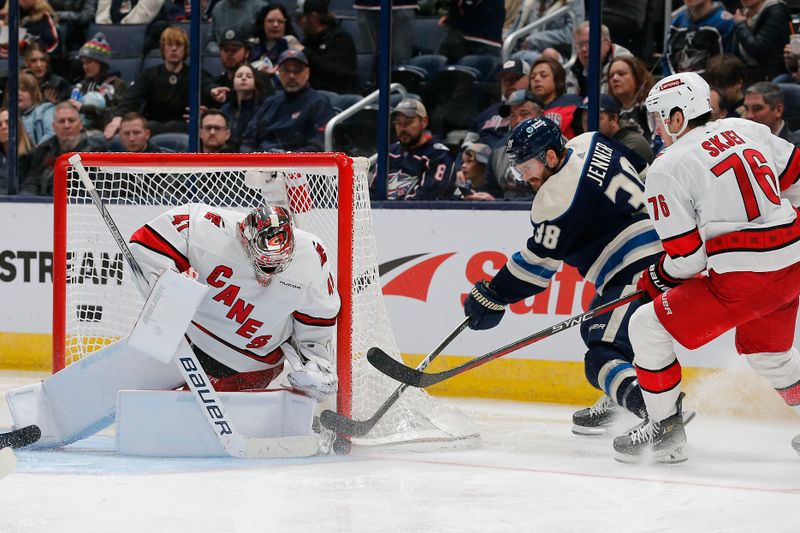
<point>428,261</point>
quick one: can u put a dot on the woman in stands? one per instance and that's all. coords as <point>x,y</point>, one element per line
<point>250,91</point>
<point>37,18</point>
<point>273,25</point>
<point>548,81</point>
<point>97,77</point>
<point>629,81</point>
<point>37,113</point>
<point>24,151</point>
<point>37,61</point>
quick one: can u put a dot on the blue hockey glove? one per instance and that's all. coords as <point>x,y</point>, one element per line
<point>484,306</point>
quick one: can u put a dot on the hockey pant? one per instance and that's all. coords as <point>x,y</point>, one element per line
<point>761,306</point>
<point>608,360</point>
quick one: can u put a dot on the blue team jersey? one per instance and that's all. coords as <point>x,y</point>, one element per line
<point>591,215</point>
<point>421,173</point>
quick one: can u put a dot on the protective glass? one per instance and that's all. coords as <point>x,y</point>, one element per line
<point>655,122</point>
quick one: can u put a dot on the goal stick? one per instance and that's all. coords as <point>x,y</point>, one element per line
<point>358,428</point>
<point>234,443</point>
<point>415,378</point>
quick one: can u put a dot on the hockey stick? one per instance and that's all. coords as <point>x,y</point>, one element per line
<point>21,437</point>
<point>234,443</point>
<point>358,428</point>
<point>415,378</point>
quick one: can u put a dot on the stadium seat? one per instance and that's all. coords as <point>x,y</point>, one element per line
<point>343,101</point>
<point>486,64</point>
<point>174,142</point>
<point>791,104</point>
<point>205,30</point>
<point>350,26</point>
<point>342,8</point>
<point>427,34</point>
<point>212,65</point>
<point>364,70</point>
<point>455,99</point>
<point>414,79</point>
<point>356,135</point>
<point>431,63</point>
<point>150,61</point>
<point>128,67</point>
<point>126,40</point>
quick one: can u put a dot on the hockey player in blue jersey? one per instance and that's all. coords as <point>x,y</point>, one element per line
<point>589,212</point>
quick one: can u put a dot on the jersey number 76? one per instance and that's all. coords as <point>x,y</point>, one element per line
<point>765,179</point>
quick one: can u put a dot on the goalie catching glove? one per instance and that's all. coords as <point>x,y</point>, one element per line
<point>484,306</point>
<point>312,373</point>
<point>655,280</point>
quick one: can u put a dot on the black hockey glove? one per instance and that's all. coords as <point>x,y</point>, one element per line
<point>484,306</point>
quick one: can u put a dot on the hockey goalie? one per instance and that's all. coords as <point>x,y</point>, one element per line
<point>268,300</point>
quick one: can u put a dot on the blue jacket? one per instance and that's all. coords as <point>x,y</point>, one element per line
<point>289,122</point>
<point>422,173</point>
<point>38,122</point>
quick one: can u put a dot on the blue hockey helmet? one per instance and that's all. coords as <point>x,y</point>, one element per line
<point>531,138</point>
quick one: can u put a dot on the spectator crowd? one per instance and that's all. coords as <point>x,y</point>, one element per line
<point>276,73</point>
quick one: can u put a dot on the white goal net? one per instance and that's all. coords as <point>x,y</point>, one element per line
<point>96,300</point>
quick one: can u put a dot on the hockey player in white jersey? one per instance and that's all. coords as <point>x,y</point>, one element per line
<point>272,294</point>
<point>271,300</point>
<point>722,197</point>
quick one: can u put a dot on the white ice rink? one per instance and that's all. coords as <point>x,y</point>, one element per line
<point>530,474</point>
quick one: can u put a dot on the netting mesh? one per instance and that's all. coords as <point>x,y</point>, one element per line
<point>101,301</point>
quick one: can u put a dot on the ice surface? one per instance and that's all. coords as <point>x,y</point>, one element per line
<point>531,474</point>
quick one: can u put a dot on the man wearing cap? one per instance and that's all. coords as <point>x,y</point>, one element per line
<point>292,120</point>
<point>330,50</point>
<point>489,125</point>
<point>521,105</point>
<point>234,49</point>
<point>419,167</point>
<point>625,132</point>
<point>237,15</point>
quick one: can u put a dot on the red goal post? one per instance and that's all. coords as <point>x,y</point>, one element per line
<point>95,300</point>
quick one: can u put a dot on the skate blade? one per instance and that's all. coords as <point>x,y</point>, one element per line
<point>583,431</point>
<point>672,456</point>
<point>688,416</point>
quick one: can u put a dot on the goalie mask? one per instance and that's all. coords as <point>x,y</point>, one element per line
<point>268,240</point>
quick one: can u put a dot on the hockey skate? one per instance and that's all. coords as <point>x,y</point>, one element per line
<point>660,442</point>
<point>796,444</point>
<point>596,420</point>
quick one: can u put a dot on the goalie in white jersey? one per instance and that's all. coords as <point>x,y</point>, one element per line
<point>272,299</point>
<point>722,197</point>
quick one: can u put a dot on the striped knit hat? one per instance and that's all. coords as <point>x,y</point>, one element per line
<point>96,48</point>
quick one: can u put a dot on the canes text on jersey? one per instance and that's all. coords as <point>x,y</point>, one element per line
<point>239,309</point>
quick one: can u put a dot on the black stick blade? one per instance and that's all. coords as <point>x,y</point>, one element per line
<point>393,368</point>
<point>20,438</point>
<point>343,425</point>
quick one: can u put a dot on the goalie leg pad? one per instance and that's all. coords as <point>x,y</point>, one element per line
<point>80,400</point>
<point>171,424</point>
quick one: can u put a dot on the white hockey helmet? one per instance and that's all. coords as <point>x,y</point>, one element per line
<point>686,91</point>
<point>267,236</point>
